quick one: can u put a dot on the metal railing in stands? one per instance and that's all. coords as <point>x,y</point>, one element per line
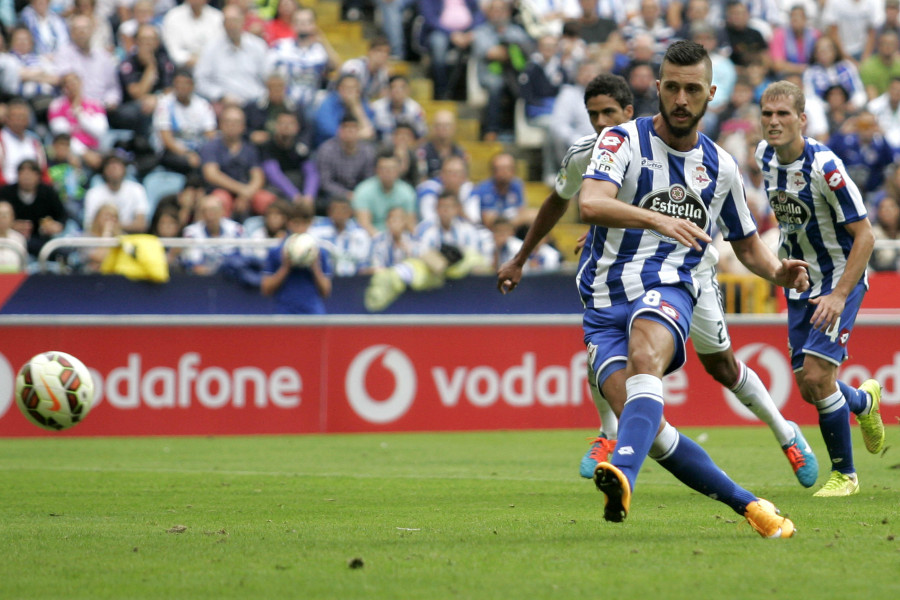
<point>20,251</point>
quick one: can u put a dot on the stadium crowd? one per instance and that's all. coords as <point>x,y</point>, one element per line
<point>214,119</point>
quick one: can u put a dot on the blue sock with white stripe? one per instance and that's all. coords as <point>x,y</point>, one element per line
<point>638,424</point>
<point>834,421</point>
<point>691,464</point>
<point>857,400</point>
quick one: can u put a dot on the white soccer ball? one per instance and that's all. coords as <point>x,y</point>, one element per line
<point>302,249</point>
<point>54,390</point>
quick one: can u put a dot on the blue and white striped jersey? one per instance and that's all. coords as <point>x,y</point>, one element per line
<point>350,248</point>
<point>303,67</point>
<point>813,198</point>
<point>703,185</point>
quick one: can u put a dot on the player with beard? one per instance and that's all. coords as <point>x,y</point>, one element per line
<point>637,277</point>
<point>608,101</point>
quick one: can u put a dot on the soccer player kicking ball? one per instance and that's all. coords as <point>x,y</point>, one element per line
<point>608,100</point>
<point>822,220</point>
<point>637,279</point>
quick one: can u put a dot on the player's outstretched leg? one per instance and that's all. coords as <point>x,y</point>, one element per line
<point>692,465</point>
<point>834,421</point>
<point>617,490</point>
<point>605,442</point>
<point>801,457</point>
<point>869,414</point>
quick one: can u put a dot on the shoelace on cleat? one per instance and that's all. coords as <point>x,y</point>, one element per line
<point>835,482</point>
<point>795,456</point>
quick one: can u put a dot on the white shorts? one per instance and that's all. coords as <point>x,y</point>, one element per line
<point>709,332</point>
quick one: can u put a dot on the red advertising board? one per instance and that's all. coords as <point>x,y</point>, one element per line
<point>220,378</point>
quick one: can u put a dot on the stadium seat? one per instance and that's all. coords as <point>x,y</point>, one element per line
<point>476,96</point>
<point>527,135</point>
<point>162,183</point>
<point>253,224</point>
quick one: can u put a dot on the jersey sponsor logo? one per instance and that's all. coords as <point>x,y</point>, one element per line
<point>611,141</point>
<point>679,202</point>
<point>796,181</point>
<point>647,163</point>
<point>792,214</point>
<point>699,177</point>
<point>835,180</point>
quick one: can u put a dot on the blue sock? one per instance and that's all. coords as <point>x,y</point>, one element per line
<point>693,467</point>
<point>857,400</point>
<point>834,421</point>
<point>638,424</point>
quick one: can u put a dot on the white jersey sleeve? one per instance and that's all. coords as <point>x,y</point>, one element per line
<point>573,166</point>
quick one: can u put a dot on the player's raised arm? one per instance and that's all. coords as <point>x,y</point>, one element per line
<point>598,206</point>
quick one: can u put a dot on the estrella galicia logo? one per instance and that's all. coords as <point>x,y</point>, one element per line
<point>792,214</point>
<point>679,202</point>
<point>404,375</point>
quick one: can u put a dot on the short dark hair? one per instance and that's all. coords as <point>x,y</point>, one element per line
<point>300,211</point>
<point>397,77</point>
<point>183,72</point>
<point>686,53</point>
<point>349,118</point>
<point>29,163</point>
<point>614,86</point>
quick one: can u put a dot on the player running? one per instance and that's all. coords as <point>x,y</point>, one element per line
<point>608,101</point>
<point>822,220</point>
<point>637,283</point>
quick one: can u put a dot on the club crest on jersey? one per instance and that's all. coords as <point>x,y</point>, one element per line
<point>611,141</point>
<point>699,177</point>
<point>796,181</point>
<point>792,214</point>
<point>679,202</point>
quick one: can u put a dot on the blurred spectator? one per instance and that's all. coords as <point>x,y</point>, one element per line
<point>305,60</point>
<point>540,83</point>
<point>188,28</point>
<point>105,225</point>
<point>650,21</point>
<point>448,228</point>
<point>503,193</point>
<point>297,290</point>
<point>838,109</point>
<point>343,163</point>
<point>697,13</point>
<point>547,17</point>
<point>10,261</point>
<point>254,23</point>
<point>274,222</point>
<point>448,31</point>
<point>95,67</point>
<point>740,113</point>
<point>37,79</point>
<point>182,123</point>
<point>441,143</point>
<point>876,71</point>
<point>17,143</point>
<point>405,146</point>
<point>47,28</point>
<point>287,164</point>
<point>233,170</point>
<point>349,244</point>
<point>129,196</point>
<point>397,106</point>
<point>590,26</point>
<point>886,227</point>
<point>886,109</point>
<point>375,196</point>
<point>144,75</point>
<point>504,244</point>
<point>68,176</point>
<point>613,9</point>
<point>263,113</point>
<point>501,48</point>
<point>865,152</point>
<point>791,48</point>
<point>852,24</point>
<point>345,99</point>
<point>570,121</point>
<point>642,81</point>
<point>82,118</point>
<point>371,69</point>
<point>166,224</point>
<point>211,224</point>
<point>40,215</point>
<point>724,73</point>
<point>395,244</point>
<point>280,27</point>
<point>101,31</point>
<point>392,24</point>
<point>891,17</point>
<point>828,68</point>
<point>230,67</point>
<point>747,43</point>
<point>452,179</point>
<point>142,14</point>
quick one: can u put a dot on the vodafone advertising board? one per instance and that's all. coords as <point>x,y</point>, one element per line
<point>262,379</point>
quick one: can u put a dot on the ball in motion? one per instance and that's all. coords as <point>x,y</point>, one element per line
<point>302,249</point>
<point>54,390</point>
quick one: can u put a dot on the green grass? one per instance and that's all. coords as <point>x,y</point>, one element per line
<point>465,515</point>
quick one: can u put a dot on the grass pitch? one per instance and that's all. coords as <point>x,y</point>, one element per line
<point>462,515</point>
